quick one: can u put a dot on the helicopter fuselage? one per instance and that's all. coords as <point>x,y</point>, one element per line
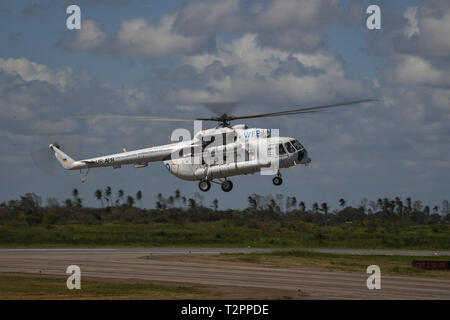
<point>212,154</point>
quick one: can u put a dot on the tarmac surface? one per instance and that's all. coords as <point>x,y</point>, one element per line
<point>179,265</point>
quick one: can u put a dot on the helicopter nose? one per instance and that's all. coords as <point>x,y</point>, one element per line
<point>303,156</point>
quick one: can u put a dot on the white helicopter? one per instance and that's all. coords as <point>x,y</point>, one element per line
<point>213,154</point>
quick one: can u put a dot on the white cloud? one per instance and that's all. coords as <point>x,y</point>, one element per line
<point>289,24</point>
<point>137,37</point>
<point>293,25</point>
<point>425,31</point>
<point>412,26</point>
<point>298,13</point>
<point>321,76</point>
<point>415,70</point>
<point>435,33</point>
<point>90,37</point>
<point>251,60</point>
<point>29,70</point>
<point>134,98</point>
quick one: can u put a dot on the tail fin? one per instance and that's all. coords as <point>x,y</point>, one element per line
<point>66,161</point>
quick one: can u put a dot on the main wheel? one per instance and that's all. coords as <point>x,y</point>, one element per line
<point>227,185</point>
<point>277,181</point>
<point>204,185</point>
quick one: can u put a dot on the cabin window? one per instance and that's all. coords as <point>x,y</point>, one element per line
<point>281,150</point>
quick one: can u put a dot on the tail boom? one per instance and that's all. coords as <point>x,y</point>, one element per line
<point>66,161</point>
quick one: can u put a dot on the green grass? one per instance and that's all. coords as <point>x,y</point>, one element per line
<point>393,265</point>
<point>226,233</point>
<point>39,287</point>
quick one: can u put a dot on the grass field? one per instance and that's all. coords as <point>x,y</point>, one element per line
<point>40,287</point>
<point>392,265</point>
<point>47,287</point>
<point>227,233</point>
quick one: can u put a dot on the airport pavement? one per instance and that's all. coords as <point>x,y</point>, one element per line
<point>154,264</point>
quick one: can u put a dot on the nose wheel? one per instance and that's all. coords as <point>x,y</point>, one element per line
<point>277,181</point>
<point>204,185</point>
<point>227,185</point>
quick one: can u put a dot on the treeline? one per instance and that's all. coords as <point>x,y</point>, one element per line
<point>116,207</point>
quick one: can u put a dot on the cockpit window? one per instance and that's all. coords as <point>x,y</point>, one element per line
<point>281,149</point>
<point>289,147</point>
<point>297,144</point>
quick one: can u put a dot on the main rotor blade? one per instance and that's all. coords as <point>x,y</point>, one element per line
<point>301,110</point>
<point>226,117</point>
<point>139,118</point>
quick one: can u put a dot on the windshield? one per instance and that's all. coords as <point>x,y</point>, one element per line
<point>289,147</point>
<point>297,144</point>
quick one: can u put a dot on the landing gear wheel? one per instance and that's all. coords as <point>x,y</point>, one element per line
<point>204,185</point>
<point>277,181</point>
<point>227,185</point>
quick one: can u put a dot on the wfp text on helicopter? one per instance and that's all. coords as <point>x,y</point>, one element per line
<point>212,155</point>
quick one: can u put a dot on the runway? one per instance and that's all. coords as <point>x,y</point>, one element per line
<point>179,265</point>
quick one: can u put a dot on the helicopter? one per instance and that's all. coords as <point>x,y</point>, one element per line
<point>212,155</point>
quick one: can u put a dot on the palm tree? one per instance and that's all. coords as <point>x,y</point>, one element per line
<point>192,203</point>
<point>409,204</point>
<point>380,204</point>
<point>302,206</point>
<point>399,204</point>
<point>291,202</point>
<point>385,205</point>
<point>342,202</point>
<point>120,194</point>
<point>76,199</point>
<point>324,207</point>
<point>108,195</point>
<point>171,201</point>
<point>294,202</point>
<point>177,197</point>
<point>98,195</point>
<point>251,202</point>
<point>215,204</point>
<point>161,203</point>
<point>139,197</point>
<point>75,194</point>
<point>130,201</point>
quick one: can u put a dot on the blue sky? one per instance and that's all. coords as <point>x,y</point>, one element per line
<point>166,57</point>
